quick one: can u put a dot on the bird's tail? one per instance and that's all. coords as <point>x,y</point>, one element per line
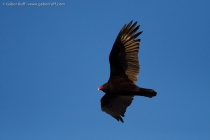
<point>146,92</point>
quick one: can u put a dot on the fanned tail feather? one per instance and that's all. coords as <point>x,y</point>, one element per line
<point>146,92</point>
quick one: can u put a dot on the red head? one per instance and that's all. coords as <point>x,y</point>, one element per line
<point>101,87</point>
<point>104,87</point>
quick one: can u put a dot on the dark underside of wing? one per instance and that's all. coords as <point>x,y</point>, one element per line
<point>123,57</point>
<point>115,105</point>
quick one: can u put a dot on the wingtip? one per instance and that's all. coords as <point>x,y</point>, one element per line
<point>120,120</point>
<point>132,22</point>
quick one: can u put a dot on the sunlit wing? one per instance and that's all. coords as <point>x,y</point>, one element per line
<point>123,57</point>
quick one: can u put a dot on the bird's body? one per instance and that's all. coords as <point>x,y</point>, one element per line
<point>124,70</point>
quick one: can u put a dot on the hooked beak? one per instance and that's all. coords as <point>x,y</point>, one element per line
<point>100,88</point>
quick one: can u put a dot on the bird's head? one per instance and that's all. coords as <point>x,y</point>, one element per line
<point>104,87</point>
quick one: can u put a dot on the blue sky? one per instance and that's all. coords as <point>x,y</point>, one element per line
<point>53,59</point>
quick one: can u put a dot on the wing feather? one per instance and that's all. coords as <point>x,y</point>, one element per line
<point>115,105</point>
<point>123,57</point>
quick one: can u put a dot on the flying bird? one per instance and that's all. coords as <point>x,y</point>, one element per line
<point>124,69</point>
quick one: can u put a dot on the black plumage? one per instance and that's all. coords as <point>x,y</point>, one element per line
<point>124,69</point>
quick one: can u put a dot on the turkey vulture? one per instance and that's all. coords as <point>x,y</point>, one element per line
<point>124,69</point>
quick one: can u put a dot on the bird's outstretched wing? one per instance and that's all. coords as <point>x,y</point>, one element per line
<point>123,57</point>
<point>115,105</point>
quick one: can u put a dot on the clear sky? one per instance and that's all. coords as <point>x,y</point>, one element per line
<point>53,59</point>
